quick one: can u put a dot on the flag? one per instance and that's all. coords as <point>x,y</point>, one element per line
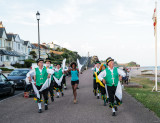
<point>79,65</point>
<point>155,20</point>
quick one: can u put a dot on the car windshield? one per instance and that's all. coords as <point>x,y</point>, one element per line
<point>19,73</point>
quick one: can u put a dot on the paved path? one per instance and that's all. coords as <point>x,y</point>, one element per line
<point>88,110</point>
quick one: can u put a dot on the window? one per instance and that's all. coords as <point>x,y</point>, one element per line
<point>19,46</point>
<point>2,78</point>
<point>19,73</point>
<point>7,58</point>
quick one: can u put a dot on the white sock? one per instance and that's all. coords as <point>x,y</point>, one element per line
<point>45,103</point>
<point>98,94</point>
<point>113,110</point>
<point>57,93</point>
<point>39,106</point>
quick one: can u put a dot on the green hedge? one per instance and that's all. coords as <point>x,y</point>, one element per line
<point>27,64</point>
<point>6,69</point>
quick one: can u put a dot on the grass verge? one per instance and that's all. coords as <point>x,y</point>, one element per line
<point>149,99</point>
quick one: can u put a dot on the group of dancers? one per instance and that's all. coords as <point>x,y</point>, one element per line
<point>46,79</point>
<point>106,82</point>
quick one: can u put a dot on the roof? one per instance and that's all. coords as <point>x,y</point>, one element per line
<point>26,42</point>
<point>35,46</point>
<point>9,36</point>
<point>10,53</point>
<point>2,29</point>
<point>56,52</point>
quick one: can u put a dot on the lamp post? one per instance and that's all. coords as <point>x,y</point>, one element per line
<point>38,18</point>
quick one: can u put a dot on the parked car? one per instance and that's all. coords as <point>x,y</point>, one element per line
<point>6,86</point>
<point>19,76</point>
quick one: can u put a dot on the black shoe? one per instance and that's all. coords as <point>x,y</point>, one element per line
<point>57,97</point>
<point>52,99</point>
<point>46,107</point>
<point>114,114</point>
<point>62,94</point>
<point>40,111</point>
<point>97,97</point>
<point>116,109</point>
<point>77,87</point>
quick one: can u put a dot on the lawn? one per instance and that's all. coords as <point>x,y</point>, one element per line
<point>149,99</point>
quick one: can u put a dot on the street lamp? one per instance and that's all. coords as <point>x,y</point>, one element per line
<point>38,18</point>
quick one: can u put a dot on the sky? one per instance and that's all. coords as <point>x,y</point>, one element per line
<point>121,29</point>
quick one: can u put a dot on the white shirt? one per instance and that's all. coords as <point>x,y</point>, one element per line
<point>97,69</point>
<point>103,73</point>
<point>33,72</point>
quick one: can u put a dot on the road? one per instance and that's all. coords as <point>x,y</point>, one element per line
<point>17,91</point>
<point>88,110</point>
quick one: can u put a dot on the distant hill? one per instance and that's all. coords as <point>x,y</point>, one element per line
<point>130,64</point>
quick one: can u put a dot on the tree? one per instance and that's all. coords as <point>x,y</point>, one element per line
<point>33,54</point>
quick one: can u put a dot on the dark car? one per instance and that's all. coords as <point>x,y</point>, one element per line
<point>19,76</point>
<point>6,86</point>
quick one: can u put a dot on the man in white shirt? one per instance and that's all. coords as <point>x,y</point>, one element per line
<point>110,77</point>
<point>41,73</point>
<point>96,86</point>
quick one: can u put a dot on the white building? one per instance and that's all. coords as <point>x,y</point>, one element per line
<point>12,48</point>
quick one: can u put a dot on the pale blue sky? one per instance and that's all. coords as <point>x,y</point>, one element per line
<point>122,29</point>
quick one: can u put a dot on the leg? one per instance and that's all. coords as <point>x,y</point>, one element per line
<point>75,93</point>
<point>98,93</point>
<point>51,91</point>
<point>39,100</point>
<point>45,95</point>
<point>94,87</point>
<point>103,92</point>
<point>57,89</point>
<point>111,93</point>
<point>61,89</point>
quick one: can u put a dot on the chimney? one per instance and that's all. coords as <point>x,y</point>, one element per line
<point>1,25</point>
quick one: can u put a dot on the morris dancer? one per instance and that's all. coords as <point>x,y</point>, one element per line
<point>48,66</point>
<point>110,77</point>
<point>102,85</point>
<point>58,76</point>
<point>41,74</point>
<point>74,80</point>
<point>96,85</point>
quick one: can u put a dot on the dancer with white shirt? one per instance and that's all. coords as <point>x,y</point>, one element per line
<point>110,77</point>
<point>48,66</point>
<point>41,74</point>
<point>96,86</point>
<point>58,77</point>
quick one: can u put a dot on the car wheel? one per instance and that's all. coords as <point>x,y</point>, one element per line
<point>12,91</point>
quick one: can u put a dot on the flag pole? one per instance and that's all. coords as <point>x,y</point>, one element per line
<point>156,49</point>
<point>155,34</point>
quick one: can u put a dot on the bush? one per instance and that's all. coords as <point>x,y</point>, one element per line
<point>17,65</point>
<point>6,69</point>
<point>28,63</point>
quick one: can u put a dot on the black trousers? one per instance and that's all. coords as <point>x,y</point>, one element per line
<point>51,89</point>
<point>28,88</point>
<point>111,93</point>
<point>58,88</point>
<point>103,90</point>
<point>44,93</point>
<point>64,80</point>
<point>95,85</point>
